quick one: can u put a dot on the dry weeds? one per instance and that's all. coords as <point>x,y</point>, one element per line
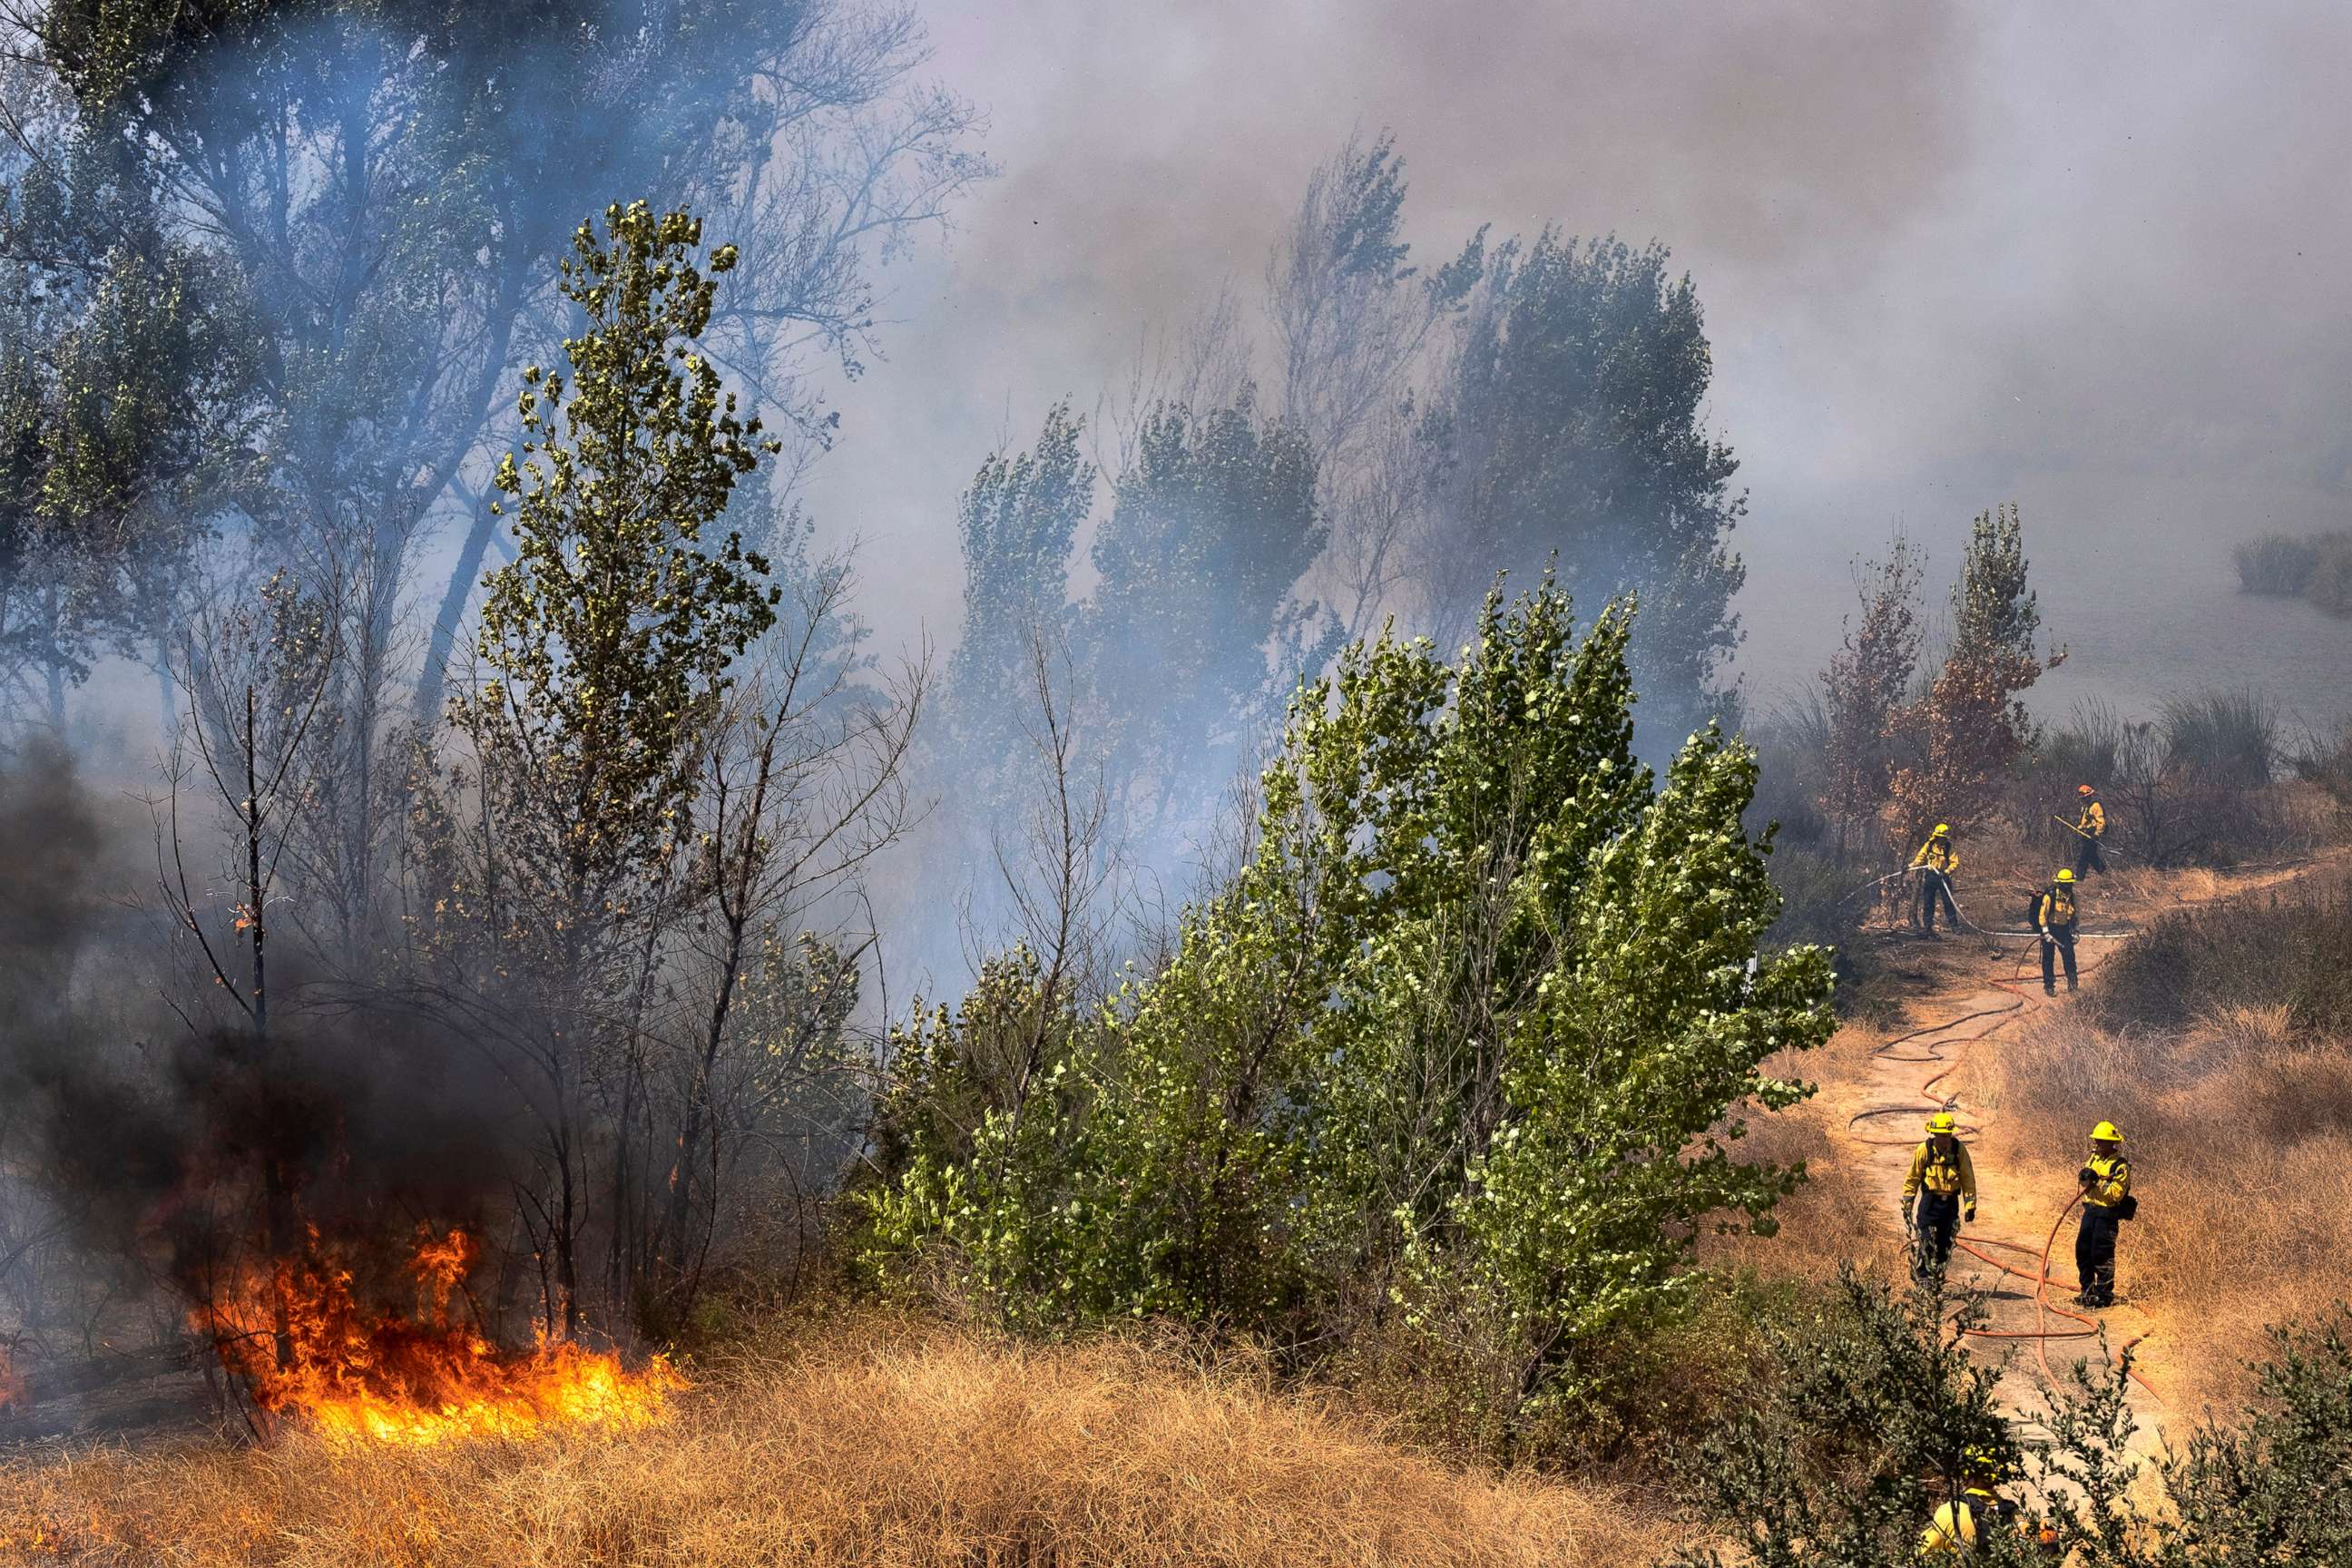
<point>2241,1140</point>
<point>868,1443</point>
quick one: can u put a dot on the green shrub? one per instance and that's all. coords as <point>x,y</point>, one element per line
<point>1455,1057</point>
<point>1869,1407</point>
<point>2278,1488</point>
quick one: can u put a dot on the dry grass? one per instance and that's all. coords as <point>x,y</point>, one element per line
<point>1836,1216</point>
<point>868,1443</point>
<point>2241,1138</point>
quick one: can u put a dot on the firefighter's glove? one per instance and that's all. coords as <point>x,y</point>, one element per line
<point>1970,1214</point>
<point>2086,1176</point>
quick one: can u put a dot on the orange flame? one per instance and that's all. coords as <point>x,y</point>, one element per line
<point>426,1379</point>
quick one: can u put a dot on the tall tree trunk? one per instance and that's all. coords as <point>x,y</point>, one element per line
<point>464,577</point>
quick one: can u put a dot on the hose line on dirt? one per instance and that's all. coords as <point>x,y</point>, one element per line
<point>1938,1037</point>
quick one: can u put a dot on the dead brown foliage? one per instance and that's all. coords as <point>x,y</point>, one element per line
<point>868,1443</point>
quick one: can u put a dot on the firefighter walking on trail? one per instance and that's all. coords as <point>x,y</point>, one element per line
<point>2089,829</point>
<point>2054,919</point>
<point>1938,1193</point>
<point>2107,1202</point>
<point>1935,862</point>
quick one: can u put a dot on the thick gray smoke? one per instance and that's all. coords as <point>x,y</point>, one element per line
<point>2090,258</point>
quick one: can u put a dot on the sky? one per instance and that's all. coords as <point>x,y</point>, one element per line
<point>2094,257</point>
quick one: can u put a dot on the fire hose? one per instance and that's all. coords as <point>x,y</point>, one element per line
<point>2042,1333</point>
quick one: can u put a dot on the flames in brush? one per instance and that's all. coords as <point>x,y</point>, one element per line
<point>307,1351</point>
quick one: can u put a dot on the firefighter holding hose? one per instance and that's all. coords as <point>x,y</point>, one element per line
<point>2089,829</point>
<point>2107,1202</point>
<point>1935,862</point>
<point>2054,919</point>
<point>1938,1193</point>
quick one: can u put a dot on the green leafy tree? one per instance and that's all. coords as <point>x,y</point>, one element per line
<point>1018,521</point>
<point>604,651</point>
<point>125,376</point>
<point>1212,524</point>
<point>607,640</point>
<point>1457,1055</point>
<point>390,182</point>
<point>1573,432</point>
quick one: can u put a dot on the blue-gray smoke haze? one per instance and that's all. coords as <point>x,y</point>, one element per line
<point>2094,257</point>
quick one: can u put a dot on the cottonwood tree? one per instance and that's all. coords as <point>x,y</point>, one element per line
<point>1354,323</point>
<point>125,366</point>
<point>1018,522</point>
<point>388,186</point>
<point>1571,427</point>
<point>605,651</point>
<point>1193,637</point>
<point>1451,1058</point>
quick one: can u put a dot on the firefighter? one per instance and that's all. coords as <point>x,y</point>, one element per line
<point>1942,1184</point>
<point>1935,862</point>
<point>2089,829</point>
<point>1955,1531</point>
<point>2106,1180</point>
<point>2054,919</point>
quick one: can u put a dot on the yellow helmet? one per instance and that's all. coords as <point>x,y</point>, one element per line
<point>2064,874</point>
<point>1941,829</point>
<point>1942,1123</point>
<point>2107,1132</point>
<point>1982,1463</point>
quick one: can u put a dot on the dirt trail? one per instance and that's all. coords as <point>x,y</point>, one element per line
<point>1972,990</point>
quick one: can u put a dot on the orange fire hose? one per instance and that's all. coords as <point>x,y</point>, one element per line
<point>2042,1333</point>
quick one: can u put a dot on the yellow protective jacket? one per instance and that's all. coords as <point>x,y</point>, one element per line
<point>1940,1175</point>
<point>1938,854</point>
<point>1956,1523</point>
<point>2057,908</point>
<point>2110,1180</point>
<point>2094,820</point>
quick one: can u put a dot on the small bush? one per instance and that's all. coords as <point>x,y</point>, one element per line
<point>2318,568</point>
<point>2330,588</point>
<point>2276,563</point>
<point>2292,951</point>
<point>2223,737</point>
<point>2326,762</point>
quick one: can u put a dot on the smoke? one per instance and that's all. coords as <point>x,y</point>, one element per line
<point>139,1134</point>
<point>2088,257</point>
